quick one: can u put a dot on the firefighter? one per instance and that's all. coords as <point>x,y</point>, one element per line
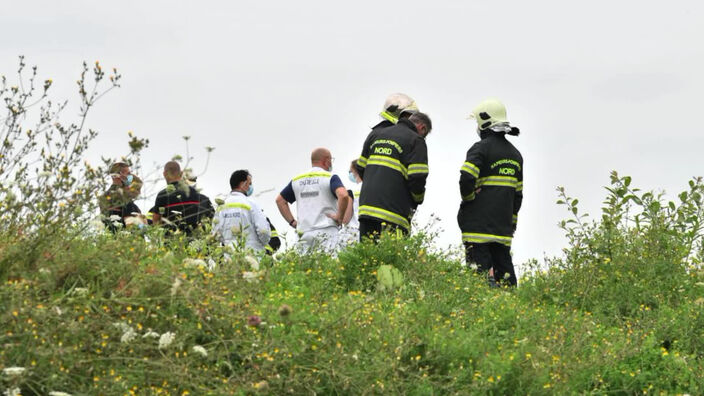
<point>321,200</point>
<point>396,106</point>
<point>491,186</point>
<point>239,218</point>
<point>394,168</point>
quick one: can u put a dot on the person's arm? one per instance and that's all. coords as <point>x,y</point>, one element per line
<point>274,241</point>
<point>469,173</point>
<point>361,164</point>
<point>518,197</point>
<point>418,170</point>
<point>342,203</point>
<point>282,202</point>
<point>349,212</point>
<point>260,223</point>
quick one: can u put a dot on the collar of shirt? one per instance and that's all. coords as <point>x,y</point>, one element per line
<point>237,193</point>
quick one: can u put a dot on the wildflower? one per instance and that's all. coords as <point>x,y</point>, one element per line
<point>175,286</point>
<point>252,262</point>
<point>115,218</point>
<point>44,174</point>
<point>254,320</point>
<point>200,350</point>
<point>13,371</point>
<point>150,334</point>
<point>250,276</point>
<point>58,393</point>
<point>284,310</point>
<point>193,263</point>
<point>128,336</point>
<point>261,385</point>
<point>166,339</point>
<point>12,392</point>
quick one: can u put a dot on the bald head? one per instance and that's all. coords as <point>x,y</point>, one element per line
<point>172,171</point>
<point>321,157</point>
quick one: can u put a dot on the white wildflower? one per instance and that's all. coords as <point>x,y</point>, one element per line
<point>13,371</point>
<point>12,392</point>
<point>200,350</point>
<point>58,310</point>
<point>59,393</point>
<point>252,262</point>
<point>44,174</point>
<point>250,276</point>
<point>150,334</point>
<point>166,339</point>
<point>211,264</point>
<point>115,218</point>
<point>44,271</point>
<point>80,291</point>
<point>175,286</point>
<point>192,263</point>
<point>128,336</point>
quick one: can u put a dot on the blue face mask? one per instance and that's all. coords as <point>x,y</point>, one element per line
<point>352,177</point>
<point>128,180</point>
<point>250,190</point>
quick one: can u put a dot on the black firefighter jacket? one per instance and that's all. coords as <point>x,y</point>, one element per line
<point>394,167</point>
<point>491,184</point>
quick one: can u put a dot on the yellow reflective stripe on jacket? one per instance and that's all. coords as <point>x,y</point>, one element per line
<point>414,169</point>
<point>515,219</point>
<point>388,162</point>
<point>388,116</point>
<point>383,214</point>
<point>503,181</point>
<point>234,205</point>
<point>418,197</point>
<point>485,238</point>
<point>470,168</point>
<point>362,161</point>
<point>469,197</point>
<point>519,186</point>
<point>269,249</point>
<point>312,174</point>
<point>274,234</point>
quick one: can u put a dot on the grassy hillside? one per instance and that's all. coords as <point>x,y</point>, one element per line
<point>621,312</point>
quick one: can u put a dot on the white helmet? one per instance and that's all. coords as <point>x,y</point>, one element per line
<point>397,104</point>
<point>489,113</point>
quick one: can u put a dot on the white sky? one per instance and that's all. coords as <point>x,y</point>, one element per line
<point>594,86</point>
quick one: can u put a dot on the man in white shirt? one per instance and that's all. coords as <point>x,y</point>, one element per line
<point>240,219</point>
<point>321,200</point>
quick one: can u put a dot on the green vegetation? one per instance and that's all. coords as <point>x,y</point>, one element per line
<point>83,311</point>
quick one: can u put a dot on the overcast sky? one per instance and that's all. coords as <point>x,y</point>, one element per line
<point>594,86</point>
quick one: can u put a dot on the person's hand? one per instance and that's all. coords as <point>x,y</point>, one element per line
<point>477,191</point>
<point>293,223</point>
<point>335,217</point>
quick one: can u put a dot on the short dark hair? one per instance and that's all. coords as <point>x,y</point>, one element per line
<point>423,119</point>
<point>238,177</point>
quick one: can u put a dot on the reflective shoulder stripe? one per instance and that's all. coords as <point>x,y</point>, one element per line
<point>234,205</point>
<point>485,238</point>
<point>388,162</point>
<point>502,181</point>
<point>470,168</point>
<point>418,197</point>
<point>388,116</point>
<point>312,174</point>
<point>362,161</point>
<point>414,169</point>
<point>383,214</point>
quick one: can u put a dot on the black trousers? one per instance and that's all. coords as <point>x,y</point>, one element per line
<point>492,255</point>
<point>372,229</point>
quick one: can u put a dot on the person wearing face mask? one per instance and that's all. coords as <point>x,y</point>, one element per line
<point>349,232</point>
<point>321,200</point>
<point>491,186</point>
<point>118,200</point>
<point>394,161</point>
<point>239,220</point>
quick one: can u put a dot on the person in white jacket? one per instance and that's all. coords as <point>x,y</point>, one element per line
<point>240,220</point>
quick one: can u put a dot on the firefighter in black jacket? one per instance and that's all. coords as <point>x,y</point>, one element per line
<point>491,184</point>
<point>394,167</point>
